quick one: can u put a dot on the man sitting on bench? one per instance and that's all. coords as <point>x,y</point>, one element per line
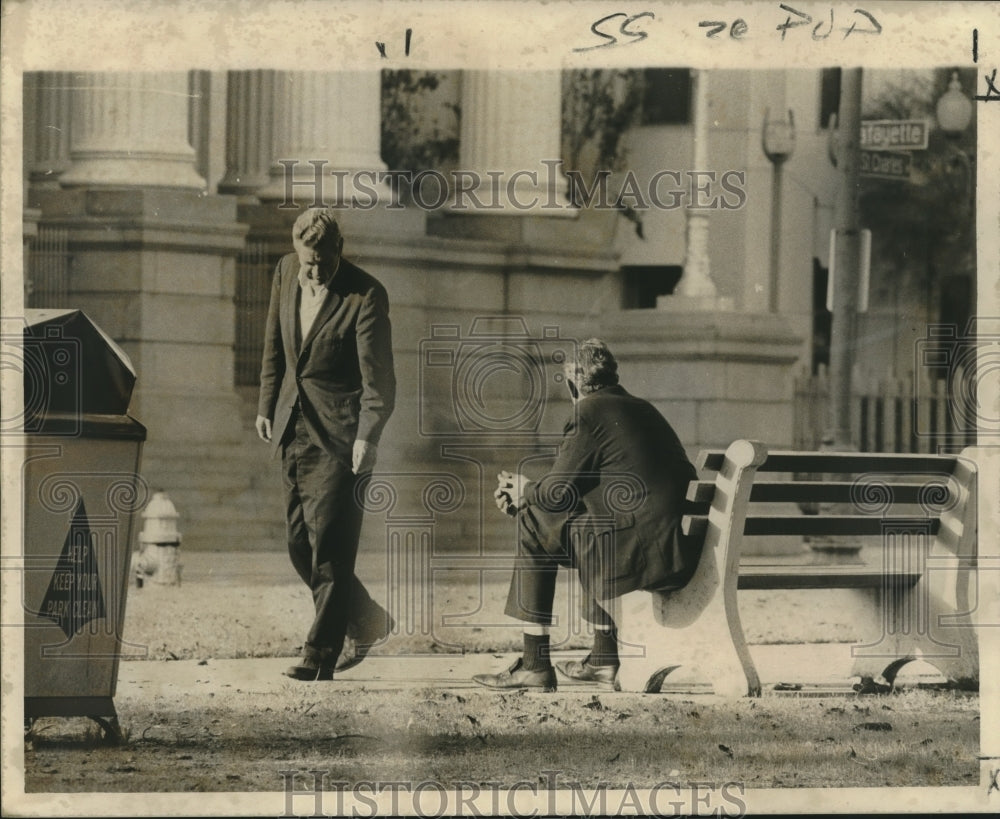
<point>611,507</point>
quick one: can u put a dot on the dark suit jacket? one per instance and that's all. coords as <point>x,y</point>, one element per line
<point>341,372</point>
<point>620,476</point>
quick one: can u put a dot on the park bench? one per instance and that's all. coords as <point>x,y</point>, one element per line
<point>920,510</point>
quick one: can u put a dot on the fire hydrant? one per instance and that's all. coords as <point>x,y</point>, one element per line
<point>160,542</point>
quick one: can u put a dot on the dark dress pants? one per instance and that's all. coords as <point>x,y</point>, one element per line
<point>324,525</point>
<point>543,546</point>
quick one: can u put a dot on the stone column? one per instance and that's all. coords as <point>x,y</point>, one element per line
<point>697,281</point>
<point>510,137</point>
<point>249,131</point>
<point>153,255</point>
<point>327,129</point>
<point>46,125</point>
<point>131,129</point>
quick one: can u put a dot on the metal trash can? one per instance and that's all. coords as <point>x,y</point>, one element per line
<point>82,491</point>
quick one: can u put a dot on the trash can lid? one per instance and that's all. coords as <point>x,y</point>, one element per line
<point>72,366</point>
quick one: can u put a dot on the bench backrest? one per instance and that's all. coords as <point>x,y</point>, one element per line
<point>873,494</point>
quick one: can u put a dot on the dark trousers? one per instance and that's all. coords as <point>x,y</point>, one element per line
<point>543,546</point>
<point>324,526</point>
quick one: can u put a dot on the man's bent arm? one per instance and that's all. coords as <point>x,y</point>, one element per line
<point>571,476</point>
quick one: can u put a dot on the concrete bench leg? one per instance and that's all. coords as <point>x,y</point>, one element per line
<point>699,625</point>
<point>932,620</point>
<point>649,651</point>
<point>922,623</point>
<point>690,628</point>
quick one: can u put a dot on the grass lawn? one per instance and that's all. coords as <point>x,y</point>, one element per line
<point>195,742</point>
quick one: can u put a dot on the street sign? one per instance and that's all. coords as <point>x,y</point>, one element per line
<point>894,134</point>
<point>885,164</point>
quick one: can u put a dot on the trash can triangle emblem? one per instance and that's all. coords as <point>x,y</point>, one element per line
<point>74,597</point>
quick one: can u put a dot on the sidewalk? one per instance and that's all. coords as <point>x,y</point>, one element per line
<point>406,663</point>
<point>818,669</point>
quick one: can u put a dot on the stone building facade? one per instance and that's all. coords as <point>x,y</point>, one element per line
<point>167,194</point>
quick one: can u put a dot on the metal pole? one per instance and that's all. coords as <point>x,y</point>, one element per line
<point>775,234</point>
<point>846,262</point>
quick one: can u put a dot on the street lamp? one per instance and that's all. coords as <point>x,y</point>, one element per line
<point>954,113</point>
<point>954,109</point>
<point>778,142</point>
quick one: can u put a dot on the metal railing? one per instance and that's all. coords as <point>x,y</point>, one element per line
<point>921,414</point>
<point>48,269</point>
<point>254,270</point>
<point>47,278</point>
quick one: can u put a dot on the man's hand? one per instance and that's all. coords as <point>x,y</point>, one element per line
<point>263,428</point>
<point>513,486</point>
<point>364,457</point>
<point>503,502</point>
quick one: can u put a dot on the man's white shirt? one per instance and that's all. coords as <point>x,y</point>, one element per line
<point>310,300</point>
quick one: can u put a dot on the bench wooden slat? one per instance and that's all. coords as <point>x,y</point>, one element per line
<point>833,462</point>
<point>702,492</point>
<point>833,525</point>
<point>695,526</point>
<point>823,577</point>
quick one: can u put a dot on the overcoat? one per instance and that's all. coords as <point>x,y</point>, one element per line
<point>620,477</point>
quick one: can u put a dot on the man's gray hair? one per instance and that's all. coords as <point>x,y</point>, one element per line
<point>318,228</point>
<point>595,366</point>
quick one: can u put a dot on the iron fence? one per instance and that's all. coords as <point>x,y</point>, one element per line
<point>910,414</point>
<point>48,269</point>
<point>254,269</point>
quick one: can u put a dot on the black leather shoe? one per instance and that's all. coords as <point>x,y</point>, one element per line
<point>582,671</point>
<point>309,670</point>
<point>519,677</point>
<point>357,646</point>
<point>353,653</point>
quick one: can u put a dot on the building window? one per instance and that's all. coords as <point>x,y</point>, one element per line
<point>667,96</point>
<point>644,282</point>
<point>829,95</point>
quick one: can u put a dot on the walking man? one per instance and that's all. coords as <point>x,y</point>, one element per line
<point>327,388</point>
